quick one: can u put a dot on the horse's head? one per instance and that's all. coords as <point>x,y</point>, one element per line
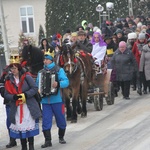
<point>34,58</point>
<point>68,56</point>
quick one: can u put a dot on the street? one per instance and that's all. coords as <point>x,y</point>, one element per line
<point>122,126</point>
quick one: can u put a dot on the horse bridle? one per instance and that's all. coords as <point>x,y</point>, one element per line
<point>71,63</point>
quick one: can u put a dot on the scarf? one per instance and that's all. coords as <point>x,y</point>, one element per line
<point>12,90</point>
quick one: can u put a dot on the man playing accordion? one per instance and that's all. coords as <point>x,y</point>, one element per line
<point>49,80</point>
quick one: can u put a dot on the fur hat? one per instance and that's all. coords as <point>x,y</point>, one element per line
<point>81,33</point>
<point>132,35</point>
<point>139,25</point>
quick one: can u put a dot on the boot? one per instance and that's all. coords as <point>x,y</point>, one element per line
<point>139,91</point>
<point>24,144</point>
<point>31,143</point>
<point>11,143</point>
<point>61,134</point>
<point>47,135</point>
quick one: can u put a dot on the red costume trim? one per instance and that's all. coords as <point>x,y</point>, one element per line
<point>61,60</point>
<point>11,89</point>
<point>63,108</point>
<point>83,53</point>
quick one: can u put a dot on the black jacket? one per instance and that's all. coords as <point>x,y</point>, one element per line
<point>85,46</point>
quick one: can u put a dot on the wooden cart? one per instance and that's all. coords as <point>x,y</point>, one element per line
<point>103,88</point>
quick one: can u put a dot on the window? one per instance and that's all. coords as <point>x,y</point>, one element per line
<point>27,19</point>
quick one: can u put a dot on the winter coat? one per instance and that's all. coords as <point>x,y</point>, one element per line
<point>111,48</point>
<point>85,46</point>
<point>2,83</point>
<point>123,38</point>
<point>137,50</point>
<point>48,46</point>
<point>124,64</point>
<point>63,82</point>
<point>145,61</point>
<point>29,87</point>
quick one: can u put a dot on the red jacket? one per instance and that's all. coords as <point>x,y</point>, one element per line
<point>137,50</point>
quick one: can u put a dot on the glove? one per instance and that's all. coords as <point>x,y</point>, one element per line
<point>16,97</point>
<point>22,97</point>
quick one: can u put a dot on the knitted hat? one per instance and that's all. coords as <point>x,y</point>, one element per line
<point>141,36</point>
<point>74,34</point>
<point>119,31</point>
<point>122,44</point>
<point>132,35</point>
<point>54,37</point>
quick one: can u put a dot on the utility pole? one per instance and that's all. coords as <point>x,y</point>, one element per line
<point>4,33</point>
<point>130,8</point>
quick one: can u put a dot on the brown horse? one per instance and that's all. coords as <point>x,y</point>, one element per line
<point>78,68</point>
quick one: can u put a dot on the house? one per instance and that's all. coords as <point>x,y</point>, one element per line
<point>23,16</point>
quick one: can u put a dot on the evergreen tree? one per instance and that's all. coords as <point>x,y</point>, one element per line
<point>62,14</point>
<point>23,40</point>
<point>1,43</point>
<point>41,34</point>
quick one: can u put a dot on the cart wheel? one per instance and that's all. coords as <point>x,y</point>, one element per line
<point>98,102</point>
<point>111,98</point>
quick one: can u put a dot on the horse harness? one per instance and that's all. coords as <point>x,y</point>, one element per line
<point>77,63</point>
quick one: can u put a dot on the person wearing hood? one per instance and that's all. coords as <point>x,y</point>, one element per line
<point>84,24</point>
<point>55,41</point>
<point>53,104</point>
<point>99,50</point>
<point>137,51</point>
<point>120,36</point>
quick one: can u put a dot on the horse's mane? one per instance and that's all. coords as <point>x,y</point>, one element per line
<point>34,52</point>
<point>66,48</point>
<point>34,57</point>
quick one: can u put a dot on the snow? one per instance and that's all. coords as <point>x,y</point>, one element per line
<point>3,128</point>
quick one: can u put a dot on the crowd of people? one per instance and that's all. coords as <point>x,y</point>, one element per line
<point>124,45</point>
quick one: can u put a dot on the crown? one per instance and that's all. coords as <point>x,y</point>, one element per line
<point>14,59</point>
<point>49,53</point>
